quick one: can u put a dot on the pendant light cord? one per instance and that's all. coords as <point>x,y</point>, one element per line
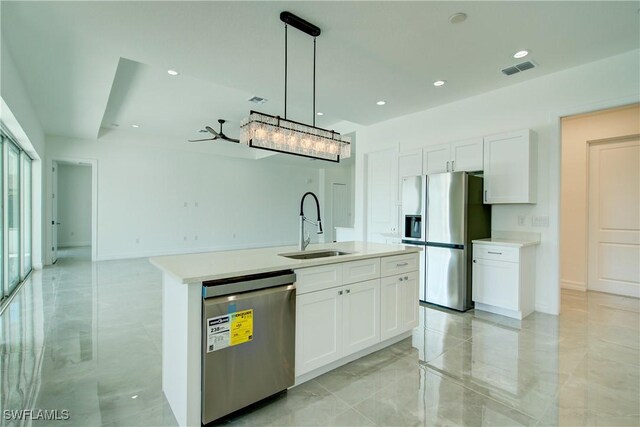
<point>314,82</point>
<point>285,71</point>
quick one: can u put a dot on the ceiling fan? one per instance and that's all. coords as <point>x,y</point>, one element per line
<point>216,135</point>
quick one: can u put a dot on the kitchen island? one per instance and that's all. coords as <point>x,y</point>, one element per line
<point>372,290</point>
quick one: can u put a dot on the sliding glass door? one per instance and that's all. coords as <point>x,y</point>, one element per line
<point>13,216</point>
<point>26,215</point>
<point>16,216</point>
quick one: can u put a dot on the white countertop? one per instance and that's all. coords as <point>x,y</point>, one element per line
<point>499,241</point>
<point>197,268</point>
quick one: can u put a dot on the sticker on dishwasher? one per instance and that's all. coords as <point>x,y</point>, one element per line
<point>229,330</point>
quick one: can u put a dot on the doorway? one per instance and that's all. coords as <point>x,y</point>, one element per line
<point>614,216</point>
<point>73,210</point>
<point>598,199</point>
<point>339,207</point>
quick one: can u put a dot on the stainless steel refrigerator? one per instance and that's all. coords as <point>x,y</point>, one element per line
<point>453,214</point>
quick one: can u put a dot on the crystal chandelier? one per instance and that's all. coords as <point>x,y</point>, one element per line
<point>274,133</point>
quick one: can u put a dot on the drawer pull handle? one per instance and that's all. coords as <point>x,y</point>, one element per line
<point>495,253</point>
<point>402,264</point>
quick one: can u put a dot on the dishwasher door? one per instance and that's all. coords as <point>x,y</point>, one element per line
<point>248,345</point>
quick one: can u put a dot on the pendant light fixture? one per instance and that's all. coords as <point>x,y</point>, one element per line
<point>279,134</point>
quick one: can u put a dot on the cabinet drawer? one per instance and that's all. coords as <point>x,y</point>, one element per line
<point>496,253</point>
<point>359,271</point>
<point>398,264</point>
<point>318,278</point>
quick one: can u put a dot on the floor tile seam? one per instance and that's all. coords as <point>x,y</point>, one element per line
<point>124,417</point>
<point>463,384</point>
<point>352,408</point>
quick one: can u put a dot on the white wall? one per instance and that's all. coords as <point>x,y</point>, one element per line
<point>536,104</point>
<point>19,115</point>
<point>577,131</point>
<point>74,205</point>
<point>160,196</point>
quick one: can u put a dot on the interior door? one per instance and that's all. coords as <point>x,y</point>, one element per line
<point>339,207</point>
<point>54,212</point>
<point>614,217</point>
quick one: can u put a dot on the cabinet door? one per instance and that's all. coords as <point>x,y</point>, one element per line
<point>409,301</point>
<point>382,194</point>
<point>436,159</point>
<point>390,310</point>
<point>496,283</point>
<point>319,324</point>
<point>510,168</point>
<point>410,163</point>
<point>361,328</point>
<point>467,155</point>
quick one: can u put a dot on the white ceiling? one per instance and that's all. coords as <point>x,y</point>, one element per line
<point>91,64</point>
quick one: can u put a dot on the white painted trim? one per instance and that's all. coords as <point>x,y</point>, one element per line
<point>74,244</point>
<point>573,285</point>
<point>94,204</point>
<point>555,176</point>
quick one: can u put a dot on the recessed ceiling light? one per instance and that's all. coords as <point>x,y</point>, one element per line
<point>135,396</point>
<point>521,54</point>
<point>381,102</point>
<point>135,126</point>
<point>319,113</point>
<point>173,72</point>
<point>439,82</point>
<point>457,18</point>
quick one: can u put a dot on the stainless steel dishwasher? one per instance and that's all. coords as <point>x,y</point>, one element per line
<point>248,341</point>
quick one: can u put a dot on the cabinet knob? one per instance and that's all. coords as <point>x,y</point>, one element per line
<point>339,292</point>
<point>401,278</point>
<point>406,277</point>
<point>348,291</point>
<point>474,261</point>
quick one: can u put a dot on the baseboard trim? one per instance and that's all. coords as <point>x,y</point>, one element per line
<point>573,285</point>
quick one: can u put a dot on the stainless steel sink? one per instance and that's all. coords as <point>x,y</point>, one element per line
<point>313,254</point>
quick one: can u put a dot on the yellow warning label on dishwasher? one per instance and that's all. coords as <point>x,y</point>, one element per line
<point>241,327</point>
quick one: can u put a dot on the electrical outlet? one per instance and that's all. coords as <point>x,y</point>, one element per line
<point>521,220</point>
<point>540,221</point>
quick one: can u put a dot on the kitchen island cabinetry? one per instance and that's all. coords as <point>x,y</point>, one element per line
<point>338,313</point>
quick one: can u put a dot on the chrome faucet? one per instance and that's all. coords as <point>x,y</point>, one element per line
<point>304,241</point>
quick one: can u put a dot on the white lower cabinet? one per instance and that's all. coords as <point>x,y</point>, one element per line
<point>504,279</point>
<point>336,322</point>
<point>361,315</point>
<point>319,320</point>
<point>399,310</point>
<point>333,322</point>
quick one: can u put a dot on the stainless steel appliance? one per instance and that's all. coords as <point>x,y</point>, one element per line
<point>248,341</point>
<point>454,216</point>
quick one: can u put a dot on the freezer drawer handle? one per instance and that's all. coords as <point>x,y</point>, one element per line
<point>402,264</point>
<point>494,253</point>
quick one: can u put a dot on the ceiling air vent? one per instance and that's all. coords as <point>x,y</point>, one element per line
<point>257,100</point>
<point>518,67</point>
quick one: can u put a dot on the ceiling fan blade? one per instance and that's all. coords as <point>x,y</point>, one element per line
<point>210,130</point>
<point>201,140</point>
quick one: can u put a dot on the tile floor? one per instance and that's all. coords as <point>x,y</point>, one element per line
<point>86,337</point>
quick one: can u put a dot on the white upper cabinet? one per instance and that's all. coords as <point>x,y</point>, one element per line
<point>467,155</point>
<point>436,159</point>
<point>510,167</point>
<point>456,156</point>
<point>410,163</point>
